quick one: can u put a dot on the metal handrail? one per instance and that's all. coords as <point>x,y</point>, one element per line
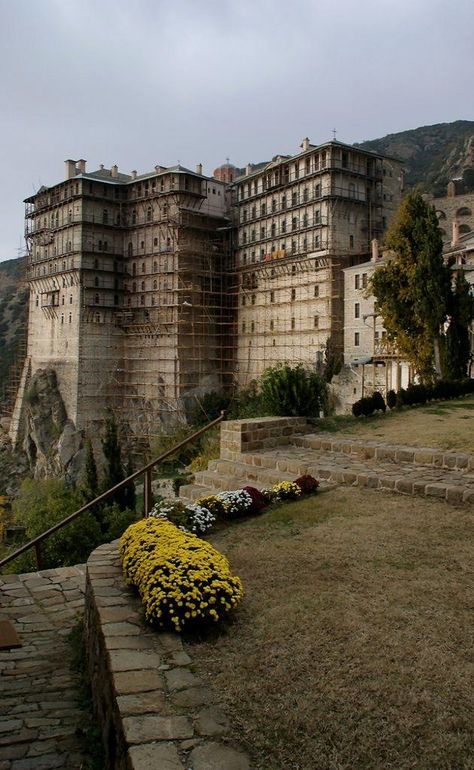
<point>147,496</point>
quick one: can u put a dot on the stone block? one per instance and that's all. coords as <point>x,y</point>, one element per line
<point>211,721</point>
<point>468,496</point>
<point>192,697</point>
<point>143,729</point>
<point>404,485</point>
<point>215,756</point>
<point>405,455</point>
<point>181,679</point>
<point>141,703</point>
<point>153,756</point>
<point>423,457</point>
<point>454,495</point>
<point>436,490</point>
<point>127,682</point>
<point>462,461</point>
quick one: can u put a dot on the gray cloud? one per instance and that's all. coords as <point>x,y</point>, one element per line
<point>145,82</point>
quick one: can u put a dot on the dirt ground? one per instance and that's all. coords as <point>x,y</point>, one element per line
<point>353,647</point>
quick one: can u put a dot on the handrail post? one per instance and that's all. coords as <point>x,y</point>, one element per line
<point>147,493</point>
<point>39,557</point>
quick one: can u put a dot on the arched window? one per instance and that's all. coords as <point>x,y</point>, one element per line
<point>464,229</point>
<point>155,284</point>
<point>97,299</point>
<point>96,281</point>
<point>463,212</point>
<point>441,215</point>
<point>143,286</point>
<point>130,249</point>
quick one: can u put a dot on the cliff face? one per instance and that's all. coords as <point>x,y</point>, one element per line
<point>52,444</point>
<point>432,155</point>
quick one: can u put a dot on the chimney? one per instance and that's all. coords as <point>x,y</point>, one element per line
<point>248,169</point>
<point>375,250</point>
<point>70,168</point>
<point>455,235</point>
<point>134,174</point>
<point>199,168</point>
<point>114,172</point>
<point>305,144</point>
<point>101,167</point>
<point>81,165</point>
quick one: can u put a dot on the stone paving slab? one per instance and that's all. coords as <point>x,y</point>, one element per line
<point>39,709</point>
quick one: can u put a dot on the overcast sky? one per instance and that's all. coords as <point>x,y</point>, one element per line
<point>142,82</point>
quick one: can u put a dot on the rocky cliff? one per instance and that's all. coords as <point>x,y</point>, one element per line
<point>432,155</point>
<point>13,320</point>
<point>52,444</point>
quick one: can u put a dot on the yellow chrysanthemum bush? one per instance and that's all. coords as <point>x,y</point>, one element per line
<point>182,580</point>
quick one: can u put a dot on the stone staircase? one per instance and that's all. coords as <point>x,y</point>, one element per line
<point>250,455</point>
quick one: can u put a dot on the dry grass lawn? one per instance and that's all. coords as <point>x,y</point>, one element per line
<point>353,648</point>
<point>444,425</point>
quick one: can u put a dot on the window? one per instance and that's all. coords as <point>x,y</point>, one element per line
<point>272,325</point>
<point>357,310</point>
<point>263,209</point>
<point>294,223</point>
<point>70,299</point>
<point>96,300</point>
<point>243,327</point>
<point>105,217</point>
<point>316,290</point>
<point>130,249</point>
<point>293,294</point>
<point>316,321</point>
<point>149,214</point>
<point>96,281</point>
<point>253,299</point>
<point>142,244</point>
<point>252,326</point>
<point>143,267</point>
<point>142,299</point>
<point>272,296</point>
<point>243,301</point>
<point>364,280</point>
<point>356,339</point>
<point>155,285</point>
<point>143,286</point>
<point>351,241</point>
<point>155,241</point>
<point>292,323</point>
<point>357,281</point>
<point>283,226</point>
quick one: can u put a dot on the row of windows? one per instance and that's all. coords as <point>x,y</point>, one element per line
<point>292,326</point>
<point>283,226</point>
<point>253,297</point>
<point>284,174</point>
<point>54,302</point>
<point>276,205</point>
<point>295,247</point>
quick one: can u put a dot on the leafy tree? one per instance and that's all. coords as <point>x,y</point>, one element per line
<point>413,289</point>
<point>90,487</point>
<point>333,360</point>
<point>114,470</point>
<point>457,348</point>
<point>42,503</point>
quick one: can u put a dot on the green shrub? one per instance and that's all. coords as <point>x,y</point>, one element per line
<point>182,580</point>
<point>293,391</point>
<point>391,399</point>
<point>378,402</point>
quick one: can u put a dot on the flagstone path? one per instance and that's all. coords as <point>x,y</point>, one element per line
<point>40,715</point>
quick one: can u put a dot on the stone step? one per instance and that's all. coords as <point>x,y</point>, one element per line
<point>396,453</point>
<point>265,468</point>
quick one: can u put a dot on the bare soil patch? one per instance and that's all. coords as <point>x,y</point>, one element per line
<point>443,425</point>
<point>353,649</point>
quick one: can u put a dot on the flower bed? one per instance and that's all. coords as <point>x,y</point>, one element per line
<point>182,580</point>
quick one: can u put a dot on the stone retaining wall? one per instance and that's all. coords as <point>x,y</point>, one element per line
<point>153,711</point>
<point>239,436</point>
